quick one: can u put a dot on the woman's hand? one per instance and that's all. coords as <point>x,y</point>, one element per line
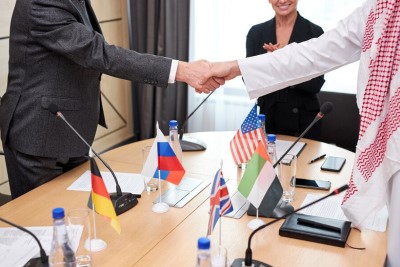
<point>271,47</point>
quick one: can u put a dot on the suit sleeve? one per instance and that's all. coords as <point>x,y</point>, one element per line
<point>55,25</point>
<point>301,62</point>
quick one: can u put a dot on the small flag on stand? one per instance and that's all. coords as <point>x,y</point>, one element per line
<point>258,176</point>
<point>220,202</point>
<point>169,165</point>
<point>100,198</point>
<point>246,138</point>
<point>162,157</point>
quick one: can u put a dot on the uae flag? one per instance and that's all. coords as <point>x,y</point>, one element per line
<point>258,176</point>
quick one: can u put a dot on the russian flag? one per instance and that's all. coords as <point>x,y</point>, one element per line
<point>169,165</point>
<point>162,158</point>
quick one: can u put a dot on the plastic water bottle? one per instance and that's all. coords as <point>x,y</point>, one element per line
<point>261,117</point>
<point>61,253</point>
<point>203,252</point>
<point>174,139</point>
<point>271,139</point>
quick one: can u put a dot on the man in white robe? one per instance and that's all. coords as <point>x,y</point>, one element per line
<point>370,34</point>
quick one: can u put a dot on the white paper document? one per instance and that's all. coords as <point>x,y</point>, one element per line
<point>129,182</point>
<point>331,208</point>
<point>283,145</point>
<point>18,247</point>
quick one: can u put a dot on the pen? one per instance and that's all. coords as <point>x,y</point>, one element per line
<point>317,158</point>
<point>318,225</point>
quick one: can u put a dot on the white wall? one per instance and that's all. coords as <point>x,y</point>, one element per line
<point>218,32</point>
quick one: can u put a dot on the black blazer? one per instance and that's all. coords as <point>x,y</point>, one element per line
<point>290,110</point>
<point>57,55</point>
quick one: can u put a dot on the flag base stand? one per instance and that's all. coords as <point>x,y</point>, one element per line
<point>160,207</point>
<point>95,245</point>
<point>179,196</point>
<point>255,263</point>
<point>255,223</point>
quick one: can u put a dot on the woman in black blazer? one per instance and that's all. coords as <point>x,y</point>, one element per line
<point>291,110</point>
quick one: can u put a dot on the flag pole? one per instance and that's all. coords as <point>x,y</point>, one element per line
<point>96,244</point>
<point>220,227</point>
<point>159,207</point>
<point>159,184</point>
<point>94,222</point>
<point>220,215</point>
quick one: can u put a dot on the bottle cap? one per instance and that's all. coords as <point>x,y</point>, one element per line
<point>271,138</point>
<point>203,243</point>
<point>261,117</point>
<point>173,123</point>
<point>58,213</point>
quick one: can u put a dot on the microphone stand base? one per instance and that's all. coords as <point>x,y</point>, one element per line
<point>36,262</point>
<point>123,203</point>
<point>192,144</point>
<point>255,263</point>
<point>281,210</point>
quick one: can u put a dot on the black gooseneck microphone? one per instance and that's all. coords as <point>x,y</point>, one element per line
<point>325,109</point>
<point>121,201</point>
<point>192,144</point>
<point>34,262</point>
<point>248,261</point>
<point>271,205</point>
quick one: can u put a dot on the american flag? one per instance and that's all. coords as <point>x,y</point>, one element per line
<point>220,202</point>
<point>246,138</point>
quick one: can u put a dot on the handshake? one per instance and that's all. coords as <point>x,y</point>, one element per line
<point>206,76</point>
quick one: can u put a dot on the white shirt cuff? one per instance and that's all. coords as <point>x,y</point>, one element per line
<point>172,72</point>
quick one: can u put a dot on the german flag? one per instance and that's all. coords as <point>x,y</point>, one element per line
<point>100,197</point>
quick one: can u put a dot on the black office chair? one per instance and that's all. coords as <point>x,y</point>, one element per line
<point>342,125</point>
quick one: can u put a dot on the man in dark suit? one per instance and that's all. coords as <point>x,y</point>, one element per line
<point>291,110</point>
<point>57,56</point>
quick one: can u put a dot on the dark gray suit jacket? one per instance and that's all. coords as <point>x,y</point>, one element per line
<point>57,55</point>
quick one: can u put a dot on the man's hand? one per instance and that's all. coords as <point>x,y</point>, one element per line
<point>226,70</point>
<point>198,75</point>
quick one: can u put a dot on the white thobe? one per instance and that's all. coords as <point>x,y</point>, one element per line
<point>297,63</point>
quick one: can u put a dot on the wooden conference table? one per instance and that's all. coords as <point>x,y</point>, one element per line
<point>170,239</point>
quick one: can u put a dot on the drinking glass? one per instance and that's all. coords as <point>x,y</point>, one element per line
<point>219,256</point>
<point>79,219</point>
<point>152,183</point>
<point>287,176</point>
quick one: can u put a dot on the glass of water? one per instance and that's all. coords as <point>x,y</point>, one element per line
<point>287,176</point>
<point>79,221</point>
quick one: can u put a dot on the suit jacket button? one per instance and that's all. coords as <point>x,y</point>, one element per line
<point>295,110</point>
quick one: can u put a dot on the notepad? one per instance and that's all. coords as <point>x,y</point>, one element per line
<point>283,145</point>
<point>316,229</point>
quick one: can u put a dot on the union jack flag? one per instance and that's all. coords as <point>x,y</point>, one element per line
<point>220,202</point>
